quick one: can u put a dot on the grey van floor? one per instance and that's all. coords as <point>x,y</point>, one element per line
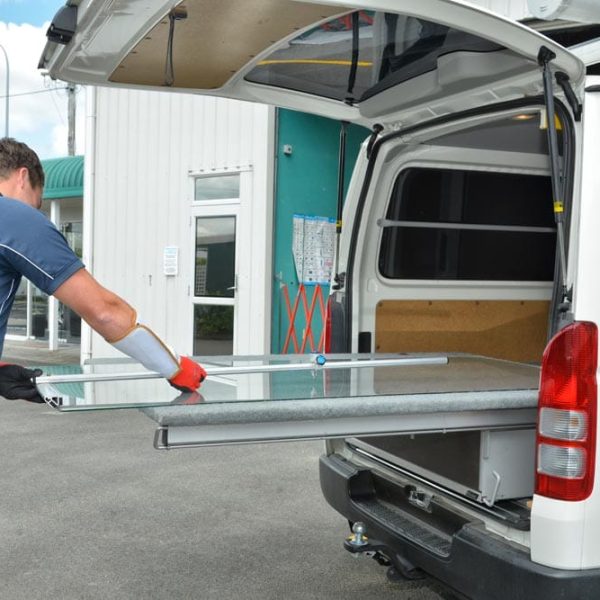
<point>90,510</point>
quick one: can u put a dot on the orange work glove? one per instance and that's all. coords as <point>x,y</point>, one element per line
<point>189,377</point>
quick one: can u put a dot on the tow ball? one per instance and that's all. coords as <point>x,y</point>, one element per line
<point>359,544</point>
<point>357,540</point>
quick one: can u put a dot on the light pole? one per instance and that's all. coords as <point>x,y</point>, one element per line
<point>7,92</point>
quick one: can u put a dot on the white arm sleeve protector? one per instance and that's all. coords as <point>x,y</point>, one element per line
<point>147,348</point>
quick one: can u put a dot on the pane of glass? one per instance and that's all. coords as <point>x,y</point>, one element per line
<point>217,187</point>
<point>215,257</point>
<point>69,321</point>
<point>213,329</point>
<point>73,232</point>
<point>460,374</point>
<point>69,324</point>
<point>506,256</point>
<point>519,133</point>
<point>392,49</point>
<point>466,255</point>
<point>17,322</point>
<point>39,325</point>
<point>472,198</point>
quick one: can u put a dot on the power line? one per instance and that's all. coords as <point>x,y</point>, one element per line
<point>35,92</point>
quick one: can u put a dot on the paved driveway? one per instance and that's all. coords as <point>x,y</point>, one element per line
<point>90,510</point>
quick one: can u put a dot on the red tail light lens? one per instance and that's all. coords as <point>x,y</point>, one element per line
<point>566,436</point>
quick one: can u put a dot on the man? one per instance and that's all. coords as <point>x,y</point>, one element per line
<point>31,246</point>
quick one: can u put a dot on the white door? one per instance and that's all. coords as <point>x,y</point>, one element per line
<point>215,228</point>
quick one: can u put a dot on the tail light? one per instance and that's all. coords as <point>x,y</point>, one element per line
<point>566,435</point>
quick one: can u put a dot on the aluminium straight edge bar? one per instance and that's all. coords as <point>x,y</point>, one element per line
<point>251,369</point>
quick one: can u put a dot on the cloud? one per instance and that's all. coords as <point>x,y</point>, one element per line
<point>37,105</point>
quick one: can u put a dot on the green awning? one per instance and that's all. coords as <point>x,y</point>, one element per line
<point>64,177</point>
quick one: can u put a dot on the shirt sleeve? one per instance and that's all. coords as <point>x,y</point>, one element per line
<point>40,252</point>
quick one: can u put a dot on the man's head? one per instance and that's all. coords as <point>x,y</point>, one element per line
<point>21,173</point>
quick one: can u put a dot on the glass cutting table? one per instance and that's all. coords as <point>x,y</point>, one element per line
<point>292,397</point>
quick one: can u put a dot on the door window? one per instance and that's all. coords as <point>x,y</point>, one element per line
<point>213,329</point>
<point>214,283</point>
<point>215,257</point>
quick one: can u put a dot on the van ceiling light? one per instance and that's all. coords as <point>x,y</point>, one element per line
<point>583,11</point>
<point>524,117</point>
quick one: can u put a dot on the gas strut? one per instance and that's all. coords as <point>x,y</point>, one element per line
<point>545,56</point>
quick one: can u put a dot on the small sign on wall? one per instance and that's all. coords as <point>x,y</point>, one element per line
<point>171,261</point>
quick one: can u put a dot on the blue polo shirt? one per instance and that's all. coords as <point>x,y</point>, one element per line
<point>30,245</point>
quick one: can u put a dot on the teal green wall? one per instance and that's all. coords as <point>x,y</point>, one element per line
<point>306,183</point>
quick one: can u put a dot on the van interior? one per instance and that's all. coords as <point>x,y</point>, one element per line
<point>465,225</point>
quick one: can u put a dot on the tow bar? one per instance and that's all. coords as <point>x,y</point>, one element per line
<point>399,569</point>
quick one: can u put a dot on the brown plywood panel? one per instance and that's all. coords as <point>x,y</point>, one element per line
<point>508,329</point>
<point>216,40</point>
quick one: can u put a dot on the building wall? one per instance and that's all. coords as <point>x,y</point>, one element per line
<point>139,193</point>
<point>306,183</point>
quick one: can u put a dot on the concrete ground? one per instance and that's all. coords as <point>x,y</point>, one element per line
<point>34,352</point>
<point>89,510</point>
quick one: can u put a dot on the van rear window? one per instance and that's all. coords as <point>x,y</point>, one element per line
<point>355,56</point>
<point>469,225</point>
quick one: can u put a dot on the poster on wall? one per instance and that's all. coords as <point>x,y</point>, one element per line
<point>313,247</point>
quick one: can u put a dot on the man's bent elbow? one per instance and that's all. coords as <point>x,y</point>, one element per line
<point>112,319</point>
<point>102,310</point>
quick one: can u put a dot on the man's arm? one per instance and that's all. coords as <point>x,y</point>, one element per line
<point>116,321</point>
<point>102,310</point>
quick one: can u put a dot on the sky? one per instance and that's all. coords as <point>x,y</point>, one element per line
<point>37,105</point>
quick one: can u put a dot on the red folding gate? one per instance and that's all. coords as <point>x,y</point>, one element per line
<point>292,310</point>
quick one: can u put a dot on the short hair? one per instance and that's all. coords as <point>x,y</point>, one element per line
<point>16,155</point>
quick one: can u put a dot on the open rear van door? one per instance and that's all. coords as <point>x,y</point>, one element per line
<point>374,61</point>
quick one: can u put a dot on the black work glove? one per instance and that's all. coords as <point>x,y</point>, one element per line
<point>18,383</point>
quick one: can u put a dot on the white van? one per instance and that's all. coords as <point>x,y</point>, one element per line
<point>470,233</point>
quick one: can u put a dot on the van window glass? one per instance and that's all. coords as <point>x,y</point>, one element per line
<point>469,225</point>
<point>389,48</point>
<point>569,34</point>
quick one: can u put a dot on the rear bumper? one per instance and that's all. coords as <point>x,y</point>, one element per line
<point>467,558</point>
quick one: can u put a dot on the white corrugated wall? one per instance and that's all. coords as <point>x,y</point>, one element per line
<point>138,163</point>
